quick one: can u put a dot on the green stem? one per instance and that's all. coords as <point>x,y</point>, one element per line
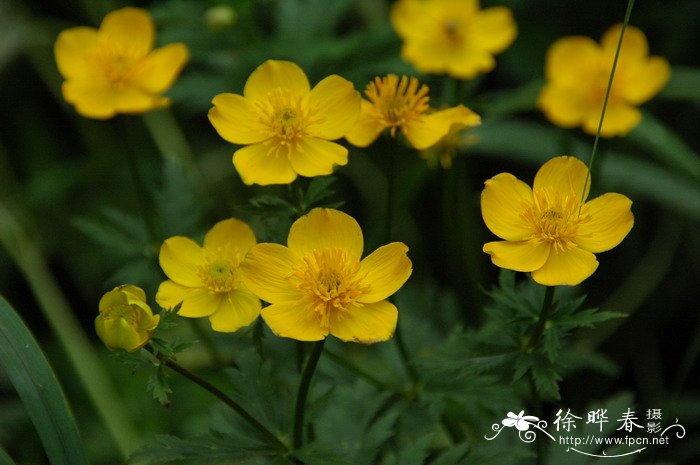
<point>216,392</point>
<point>538,330</point>
<point>303,392</point>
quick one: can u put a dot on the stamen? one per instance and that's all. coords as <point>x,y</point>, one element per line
<point>398,101</point>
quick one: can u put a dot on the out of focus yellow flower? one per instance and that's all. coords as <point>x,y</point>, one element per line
<point>444,151</point>
<point>401,104</point>
<point>577,71</point>
<point>207,280</point>
<point>550,230</point>
<point>125,320</point>
<point>285,125</point>
<point>319,285</point>
<point>115,69</point>
<point>452,36</point>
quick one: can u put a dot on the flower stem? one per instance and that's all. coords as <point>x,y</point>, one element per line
<point>538,330</point>
<point>216,392</point>
<point>303,392</point>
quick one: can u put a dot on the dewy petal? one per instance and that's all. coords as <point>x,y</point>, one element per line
<point>565,106</point>
<point>266,270</point>
<point>273,74</point>
<point>427,131</point>
<point>237,309</point>
<point>367,127</point>
<point>324,228</point>
<point>128,29</point>
<point>161,68</point>
<point>72,49</point>
<point>295,320</point>
<point>385,270</point>
<point>518,256</point>
<point>572,61</point>
<point>649,78</point>
<point>634,44</point>
<point>565,175</point>
<point>236,120</point>
<point>567,267</point>
<point>494,29</point>
<point>611,219</point>
<point>264,164</point>
<point>317,157</point>
<point>179,257</point>
<point>337,106</point>
<point>365,324</point>
<point>503,201</point>
<point>620,118</point>
<point>230,234</point>
<point>92,98</point>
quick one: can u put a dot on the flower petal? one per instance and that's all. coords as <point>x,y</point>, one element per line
<point>317,157</point>
<point>265,271</point>
<point>131,99</point>
<point>264,164</point>
<point>620,118</point>
<point>196,302</point>
<point>236,120</point>
<point>72,49</point>
<point>427,131</point>
<point>337,106</point>
<point>503,201</point>
<point>565,175</point>
<point>611,219</point>
<point>649,78</point>
<point>161,67</point>
<point>230,235</point>
<point>128,30</point>
<point>566,267</point>
<point>92,98</point>
<point>367,127</point>
<point>180,257</point>
<point>117,333</point>
<point>494,29</point>
<point>366,324</point>
<point>564,105</point>
<point>386,270</point>
<point>409,17</point>
<point>237,309</point>
<point>295,320</point>
<point>470,62</point>
<point>323,228</point>
<point>518,256</point>
<point>273,74</point>
<point>634,44</point>
<point>170,294</point>
<point>572,61</point>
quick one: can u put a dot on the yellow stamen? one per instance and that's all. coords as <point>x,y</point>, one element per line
<point>397,101</point>
<point>554,218</point>
<point>219,273</point>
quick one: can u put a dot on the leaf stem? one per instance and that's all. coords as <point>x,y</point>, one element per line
<point>303,392</point>
<point>538,330</point>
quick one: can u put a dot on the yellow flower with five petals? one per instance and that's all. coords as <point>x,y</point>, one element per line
<point>115,69</point>
<point>287,127</point>
<point>550,230</point>
<point>320,285</point>
<point>206,280</point>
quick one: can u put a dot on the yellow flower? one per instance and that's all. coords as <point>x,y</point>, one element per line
<point>400,104</point>
<point>443,153</point>
<point>577,71</point>
<point>125,320</point>
<point>286,126</point>
<point>550,230</point>
<point>114,69</point>
<point>207,280</point>
<point>452,36</point>
<point>319,284</point>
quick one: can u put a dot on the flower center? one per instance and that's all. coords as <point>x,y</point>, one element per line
<point>329,281</point>
<point>117,66</point>
<point>124,312</point>
<point>397,101</point>
<point>554,218</point>
<point>219,274</point>
<point>285,116</point>
<point>452,32</point>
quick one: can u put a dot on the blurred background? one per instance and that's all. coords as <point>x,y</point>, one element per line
<point>73,224</point>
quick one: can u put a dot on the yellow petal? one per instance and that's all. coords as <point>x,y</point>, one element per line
<point>317,157</point>
<point>503,201</point>
<point>324,228</point>
<point>427,131</point>
<point>385,270</point>
<point>408,17</point>
<point>128,30</point>
<point>264,164</point>
<point>236,120</point>
<point>238,308</point>
<point>273,74</point>
<point>367,127</point>
<point>161,68</point>
<point>494,29</point>
<point>565,105</point>
<point>134,294</point>
<point>566,268</point>
<point>265,272</point>
<point>565,175</point>
<point>620,118</point>
<point>180,257</point>
<point>572,61</point>
<point>131,99</point>
<point>294,320</point>
<point>470,62</point>
<point>634,44</point>
<point>231,235</point>
<point>337,105</point>
<point>92,98</point>
<point>518,256</point>
<point>170,294</point>
<point>366,324</point>
<point>116,333</point>
<point>611,219</point>
<point>72,50</point>
<point>648,79</point>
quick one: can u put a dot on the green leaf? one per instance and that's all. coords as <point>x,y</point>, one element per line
<point>39,390</point>
<point>683,85</point>
<point>5,459</point>
<point>452,456</point>
<point>159,387</point>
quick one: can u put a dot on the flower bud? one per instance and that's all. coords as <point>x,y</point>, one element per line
<point>125,320</point>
